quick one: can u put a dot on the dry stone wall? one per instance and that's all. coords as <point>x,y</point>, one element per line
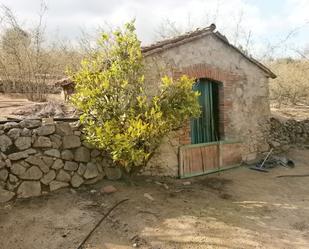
<point>285,133</point>
<point>37,157</point>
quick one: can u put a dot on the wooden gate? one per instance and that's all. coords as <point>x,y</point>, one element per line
<point>199,159</point>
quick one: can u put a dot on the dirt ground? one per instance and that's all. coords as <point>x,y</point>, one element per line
<point>239,208</point>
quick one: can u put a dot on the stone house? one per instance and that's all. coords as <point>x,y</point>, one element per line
<point>234,97</point>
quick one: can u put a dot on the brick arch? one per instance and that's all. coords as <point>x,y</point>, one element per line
<point>216,74</point>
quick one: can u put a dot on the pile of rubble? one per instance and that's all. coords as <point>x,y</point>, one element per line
<point>37,157</point>
<point>288,132</point>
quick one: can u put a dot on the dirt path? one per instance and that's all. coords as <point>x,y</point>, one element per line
<point>236,209</point>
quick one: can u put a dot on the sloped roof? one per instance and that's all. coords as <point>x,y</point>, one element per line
<point>196,34</point>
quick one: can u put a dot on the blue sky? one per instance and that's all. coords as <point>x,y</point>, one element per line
<point>267,21</point>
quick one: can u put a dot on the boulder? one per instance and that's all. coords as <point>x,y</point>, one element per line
<point>13,178</point>
<point>58,164</point>
<point>95,153</point>
<point>6,195</point>
<point>63,176</point>
<point>71,142</point>
<point>23,143</point>
<point>14,133</point>
<point>81,169</point>
<point>52,153</point>
<point>30,151</point>
<point>67,155</point>
<point>64,129</point>
<point>26,132</point>
<point>91,171</point>
<point>2,164</point>
<point>5,142</point>
<point>10,125</point>
<point>3,175</point>
<point>46,179</point>
<point>54,185</point>
<point>30,123</point>
<point>113,173</point>
<point>46,130</point>
<point>29,189</point>
<point>42,142</point>
<point>17,156</point>
<point>33,173</point>
<point>37,160</point>
<point>17,169</point>
<point>71,166</point>
<point>48,160</point>
<point>82,154</point>
<point>109,189</point>
<point>56,141</point>
<point>76,181</point>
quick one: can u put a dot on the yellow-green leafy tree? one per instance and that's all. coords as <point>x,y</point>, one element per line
<point>117,114</point>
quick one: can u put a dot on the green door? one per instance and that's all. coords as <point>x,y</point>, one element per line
<point>205,129</point>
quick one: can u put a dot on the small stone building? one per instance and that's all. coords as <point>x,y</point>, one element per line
<point>234,123</point>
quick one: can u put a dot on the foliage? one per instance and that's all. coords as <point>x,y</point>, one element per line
<point>117,114</point>
<point>292,84</point>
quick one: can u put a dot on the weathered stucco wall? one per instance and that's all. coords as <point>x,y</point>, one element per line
<point>244,102</point>
<point>36,158</point>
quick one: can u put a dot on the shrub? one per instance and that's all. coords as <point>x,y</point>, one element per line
<point>117,114</point>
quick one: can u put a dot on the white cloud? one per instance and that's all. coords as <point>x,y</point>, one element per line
<point>69,16</point>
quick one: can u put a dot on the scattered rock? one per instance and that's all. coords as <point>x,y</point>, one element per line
<point>108,189</point>
<point>71,166</point>
<point>14,133</point>
<point>67,155</point>
<point>76,181</point>
<point>113,173</point>
<point>186,183</point>
<point>23,143</point>
<point>46,179</point>
<point>63,176</point>
<point>6,195</point>
<point>52,153</point>
<point>29,189</point>
<point>91,171</point>
<point>54,185</point>
<point>46,130</point>
<point>33,173</point>
<point>64,129</point>
<point>42,142</point>
<point>148,196</point>
<point>82,154</point>
<point>5,142</point>
<point>58,164</point>
<point>17,156</point>
<point>71,142</point>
